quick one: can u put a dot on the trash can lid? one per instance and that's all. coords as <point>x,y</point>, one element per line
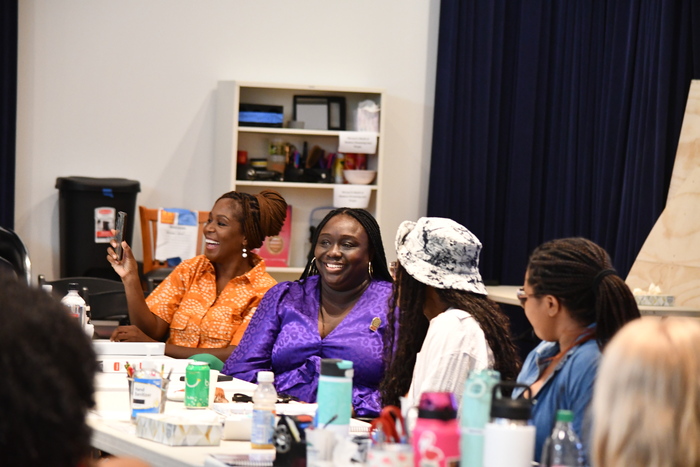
<point>117,185</point>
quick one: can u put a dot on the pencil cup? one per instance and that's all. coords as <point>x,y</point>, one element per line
<point>147,398</point>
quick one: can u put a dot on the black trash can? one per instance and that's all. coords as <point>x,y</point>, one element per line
<point>87,209</point>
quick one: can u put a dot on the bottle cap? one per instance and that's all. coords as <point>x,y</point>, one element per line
<point>73,286</point>
<point>437,405</point>
<point>565,415</point>
<point>336,367</point>
<point>512,409</point>
<point>266,377</point>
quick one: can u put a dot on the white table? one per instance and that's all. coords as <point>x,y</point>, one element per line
<point>114,433</point>
<point>507,294</point>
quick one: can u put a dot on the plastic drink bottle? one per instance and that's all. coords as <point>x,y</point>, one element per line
<point>509,438</point>
<point>335,396</point>
<point>147,388</point>
<point>264,400</point>
<point>435,437</point>
<point>563,448</point>
<point>75,303</point>
<point>476,408</point>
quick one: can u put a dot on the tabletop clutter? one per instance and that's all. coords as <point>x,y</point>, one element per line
<point>491,429</point>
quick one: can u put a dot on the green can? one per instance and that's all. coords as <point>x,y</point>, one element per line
<point>197,385</point>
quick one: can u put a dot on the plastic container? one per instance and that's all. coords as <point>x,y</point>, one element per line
<point>335,396</point>
<point>264,400</point>
<point>563,448</point>
<point>87,209</point>
<point>435,437</point>
<point>146,389</point>
<point>75,304</point>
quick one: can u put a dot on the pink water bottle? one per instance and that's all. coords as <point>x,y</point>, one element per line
<point>435,437</point>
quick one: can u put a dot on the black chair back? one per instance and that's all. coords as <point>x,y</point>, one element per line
<point>106,298</point>
<point>13,251</point>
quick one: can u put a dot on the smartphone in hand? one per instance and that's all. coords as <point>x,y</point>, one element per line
<point>119,235</point>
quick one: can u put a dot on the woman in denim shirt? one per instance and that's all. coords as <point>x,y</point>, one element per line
<point>575,302</point>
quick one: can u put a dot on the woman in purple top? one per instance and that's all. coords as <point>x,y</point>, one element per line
<point>336,310</point>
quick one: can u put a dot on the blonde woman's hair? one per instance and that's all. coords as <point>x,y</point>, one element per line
<point>646,404</point>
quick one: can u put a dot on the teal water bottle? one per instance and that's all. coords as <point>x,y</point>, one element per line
<point>476,407</point>
<point>335,395</point>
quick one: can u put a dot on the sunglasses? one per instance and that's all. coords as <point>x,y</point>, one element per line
<point>523,296</point>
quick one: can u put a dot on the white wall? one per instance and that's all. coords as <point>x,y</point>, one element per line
<point>125,89</point>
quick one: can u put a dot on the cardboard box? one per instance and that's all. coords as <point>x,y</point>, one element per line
<point>275,250</point>
<point>112,364</point>
<point>188,429</point>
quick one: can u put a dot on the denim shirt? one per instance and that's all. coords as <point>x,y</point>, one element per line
<point>569,387</point>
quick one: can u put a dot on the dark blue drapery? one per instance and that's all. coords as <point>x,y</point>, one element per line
<point>559,118</point>
<point>8,110</point>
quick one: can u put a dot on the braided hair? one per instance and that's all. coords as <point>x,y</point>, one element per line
<point>260,216</point>
<point>48,367</point>
<point>579,273</point>
<point>408,300</point>
<point>380,269</point>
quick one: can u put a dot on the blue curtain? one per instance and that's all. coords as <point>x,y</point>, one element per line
<point>559,118</point>
<point>8,110</point>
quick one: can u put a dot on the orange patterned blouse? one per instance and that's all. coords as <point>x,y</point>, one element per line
<point>187,300</point>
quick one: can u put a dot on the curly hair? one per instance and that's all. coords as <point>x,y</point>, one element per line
<point>408,300</point>
<point>48,366</point>
<point>261,215</point>
<point>380,268</point>
<point>580,274</point>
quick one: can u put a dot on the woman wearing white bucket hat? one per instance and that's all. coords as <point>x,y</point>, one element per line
<point>444,312</point>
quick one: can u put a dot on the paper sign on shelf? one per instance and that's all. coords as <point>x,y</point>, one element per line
<point>362,142</point>
<point>177,234</point>
<point>351,196</point>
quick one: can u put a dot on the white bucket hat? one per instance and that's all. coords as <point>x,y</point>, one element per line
<point>440,253</point>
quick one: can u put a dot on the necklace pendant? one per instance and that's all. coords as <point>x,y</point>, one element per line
<point>374,325</point>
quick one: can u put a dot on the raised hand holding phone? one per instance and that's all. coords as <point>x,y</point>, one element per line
<point>119,234</point>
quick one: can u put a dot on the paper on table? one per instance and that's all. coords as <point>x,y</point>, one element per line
<point>177,234</point>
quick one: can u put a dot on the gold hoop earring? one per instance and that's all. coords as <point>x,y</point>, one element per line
<point>369,269</point>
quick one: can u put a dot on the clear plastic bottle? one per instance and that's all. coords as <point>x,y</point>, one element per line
<point>75,303</point>
<point>264,400</point>
<point>563,448</point>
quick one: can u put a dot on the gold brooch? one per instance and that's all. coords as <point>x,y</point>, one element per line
<point>374,325</point>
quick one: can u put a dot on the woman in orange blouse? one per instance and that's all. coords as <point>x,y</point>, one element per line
<point>207,301</point>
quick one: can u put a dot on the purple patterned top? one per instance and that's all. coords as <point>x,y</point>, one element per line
<point>283,337</point>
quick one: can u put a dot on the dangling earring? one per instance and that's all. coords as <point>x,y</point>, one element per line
<point>369,269</point>
<point>244,253</point>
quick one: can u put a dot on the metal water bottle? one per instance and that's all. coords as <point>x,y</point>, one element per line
<point>435,437</point>
<point>509,438</point>
<point>335,395</point>
<point>476,408</point>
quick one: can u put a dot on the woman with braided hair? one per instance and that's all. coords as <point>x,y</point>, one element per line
<point>207,302</point>
<point>336,310</point>
<point>447,325</point>
<point>575,302</point>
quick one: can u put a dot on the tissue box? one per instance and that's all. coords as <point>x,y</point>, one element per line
<point>175,430</point>
<point>655,300</point>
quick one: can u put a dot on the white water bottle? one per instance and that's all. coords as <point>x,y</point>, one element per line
<point>264,400</point>
<point>75,304</point>
<point>509,438</point>
<point>563,448</point>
